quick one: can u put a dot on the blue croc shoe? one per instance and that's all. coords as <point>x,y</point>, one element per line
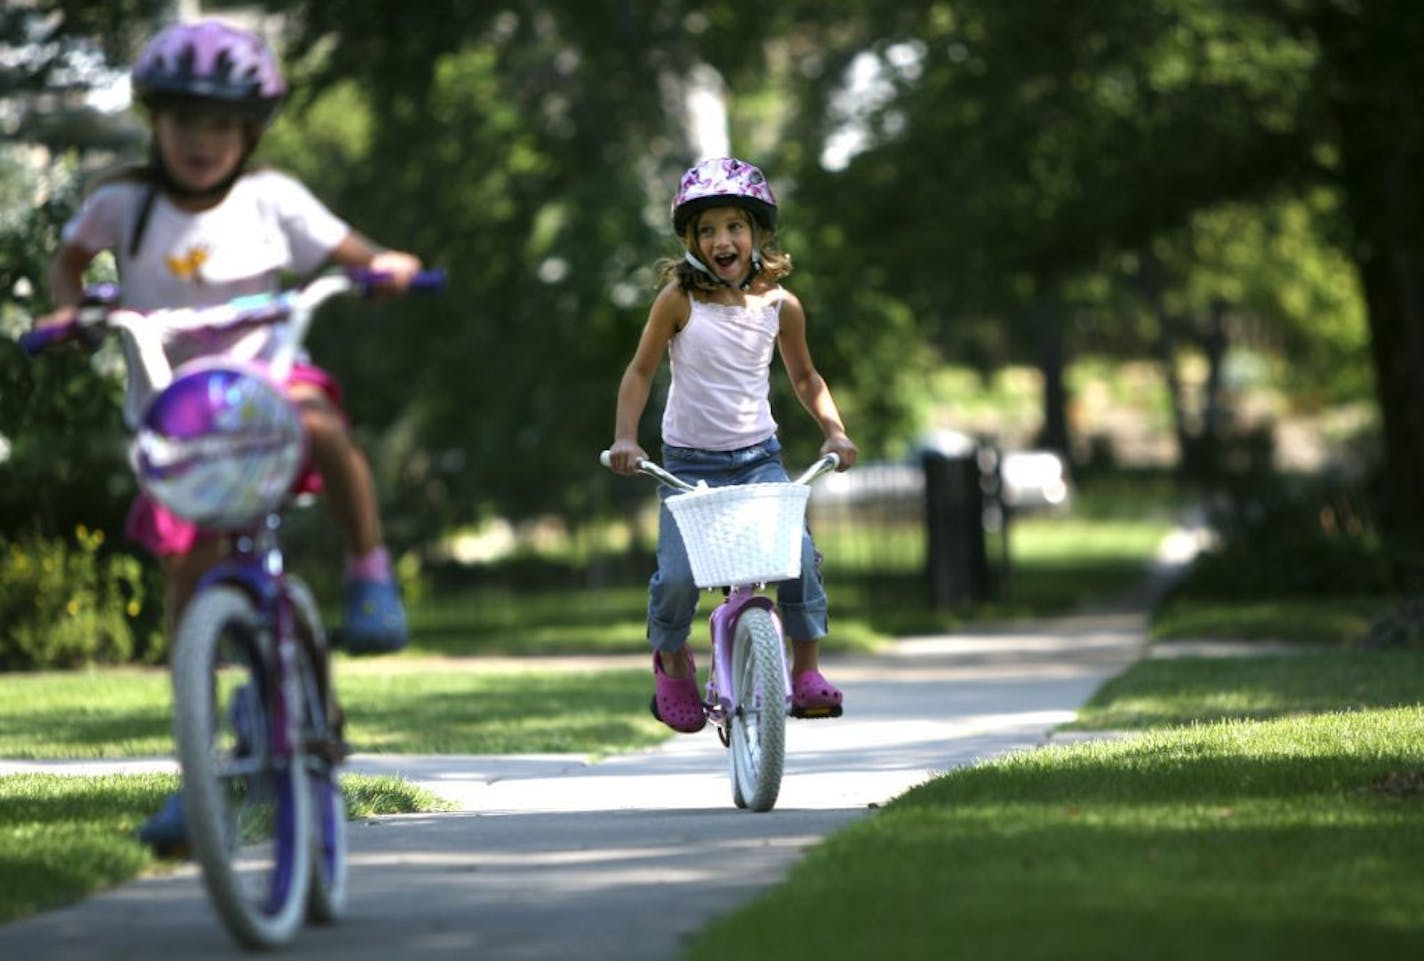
<point>167,831</point>
<point>375,618</point>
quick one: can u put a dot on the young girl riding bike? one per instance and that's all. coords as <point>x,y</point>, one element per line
<point>194,227</point>
<point>718,316</point>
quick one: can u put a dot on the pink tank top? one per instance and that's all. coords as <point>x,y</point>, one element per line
<point>721,375</point>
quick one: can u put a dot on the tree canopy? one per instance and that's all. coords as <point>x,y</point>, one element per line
<point>961,179</point>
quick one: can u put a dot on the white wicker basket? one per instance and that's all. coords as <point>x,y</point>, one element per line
<point>744,534</point>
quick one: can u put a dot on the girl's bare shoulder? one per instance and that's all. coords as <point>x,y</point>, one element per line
<point>672,305</point>
<point>784,298</point>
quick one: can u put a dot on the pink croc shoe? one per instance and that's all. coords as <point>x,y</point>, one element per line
<point>676,702</point>
<point>814,696</point>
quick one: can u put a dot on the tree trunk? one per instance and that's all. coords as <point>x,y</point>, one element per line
<point>1149,279</point>
<point>1376,88</point>
<point>1051,361</point>
<point>1214,343</point>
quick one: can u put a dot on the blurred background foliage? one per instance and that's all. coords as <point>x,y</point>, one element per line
<point>1226,191</point>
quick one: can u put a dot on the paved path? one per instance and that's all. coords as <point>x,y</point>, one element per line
<point>558,857</point>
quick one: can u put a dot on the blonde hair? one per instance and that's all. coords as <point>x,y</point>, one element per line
<point>775,263</point>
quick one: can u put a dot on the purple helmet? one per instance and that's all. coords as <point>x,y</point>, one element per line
<point>723,182</point>
<point>209,60</point>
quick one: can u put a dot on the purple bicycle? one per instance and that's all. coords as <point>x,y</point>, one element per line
<point>255,718</point>
<point>740,538</point>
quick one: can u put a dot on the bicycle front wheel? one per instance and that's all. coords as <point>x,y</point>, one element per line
<point>326,901</point>
<point>758,725</point>
<point>247,810</point>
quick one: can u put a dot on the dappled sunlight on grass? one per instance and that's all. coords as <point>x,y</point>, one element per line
<point>65,837</point>
<point>473,712</point>
<point>1157,693</point>
<point>99,713</point>
<point>1238,840</point>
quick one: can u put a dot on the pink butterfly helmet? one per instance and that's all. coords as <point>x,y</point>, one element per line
<point>723,182</point>
<point>209,60</point>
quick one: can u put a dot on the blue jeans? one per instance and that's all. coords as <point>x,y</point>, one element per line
<point>672,594</point>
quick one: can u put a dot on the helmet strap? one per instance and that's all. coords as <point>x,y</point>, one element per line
<point>696,261</point>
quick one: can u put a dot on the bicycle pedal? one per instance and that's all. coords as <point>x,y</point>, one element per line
<point>816,713</point>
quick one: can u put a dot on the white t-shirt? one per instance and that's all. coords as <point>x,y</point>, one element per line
<point>268,223</point>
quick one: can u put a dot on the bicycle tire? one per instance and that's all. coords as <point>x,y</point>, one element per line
<point>326,899</point>
<point>247,814</point>
<point>758,725</point>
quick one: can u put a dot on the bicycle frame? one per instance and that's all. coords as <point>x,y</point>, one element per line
<point>257,567</point>
<point>248,615</point>
<point>721,701</point>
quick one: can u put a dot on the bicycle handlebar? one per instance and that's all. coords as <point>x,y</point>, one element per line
<point>424,282</point>
<point>652,469</point>
<point>34,342</point>
<point>823,464</point>
<point>244,311</point>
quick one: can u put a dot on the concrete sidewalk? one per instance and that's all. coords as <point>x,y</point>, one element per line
<point>556,856</point>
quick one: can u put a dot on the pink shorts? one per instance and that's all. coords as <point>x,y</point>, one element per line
<point>164,533</point>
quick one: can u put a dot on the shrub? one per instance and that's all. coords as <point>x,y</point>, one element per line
<point>69,604</point>
<point>1291,537</point>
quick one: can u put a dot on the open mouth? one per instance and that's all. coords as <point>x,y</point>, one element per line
<point>725,261</point>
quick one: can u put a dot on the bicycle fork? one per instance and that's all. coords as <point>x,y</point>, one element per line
<point>256,568</point>
<point>722,692</point>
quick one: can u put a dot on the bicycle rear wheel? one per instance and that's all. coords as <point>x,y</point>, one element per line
<point>326,899</point>
<point>758,726</point>
<point>248,812</point>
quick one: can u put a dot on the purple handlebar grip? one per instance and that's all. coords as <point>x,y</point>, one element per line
<point>33,342</point>
<point>428,282</point>
<point>424,282</point>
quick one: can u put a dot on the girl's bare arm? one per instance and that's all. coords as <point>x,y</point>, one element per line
<point>810,387</point>
<point>66,283</point>
<point>354,250</point>
<point>667,315</point>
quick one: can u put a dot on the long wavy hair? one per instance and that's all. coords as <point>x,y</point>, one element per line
<point>775,263</point>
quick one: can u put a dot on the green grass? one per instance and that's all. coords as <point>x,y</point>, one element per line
<point>1268,807</point>
<point>392,707</point>
<point>65,837</point>
<point>1156,693</point>
<point>86,714</point>
<point>492,619</point>
<point>1295,838</point>
<point>1317,620</point>
<point>1063,563</point>
<point>455,711</point>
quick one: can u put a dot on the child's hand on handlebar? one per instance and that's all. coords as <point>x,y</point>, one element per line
<point>393,270</point>
<point>57,317</point>
<point>624,455</point>
<point>844,448</point>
